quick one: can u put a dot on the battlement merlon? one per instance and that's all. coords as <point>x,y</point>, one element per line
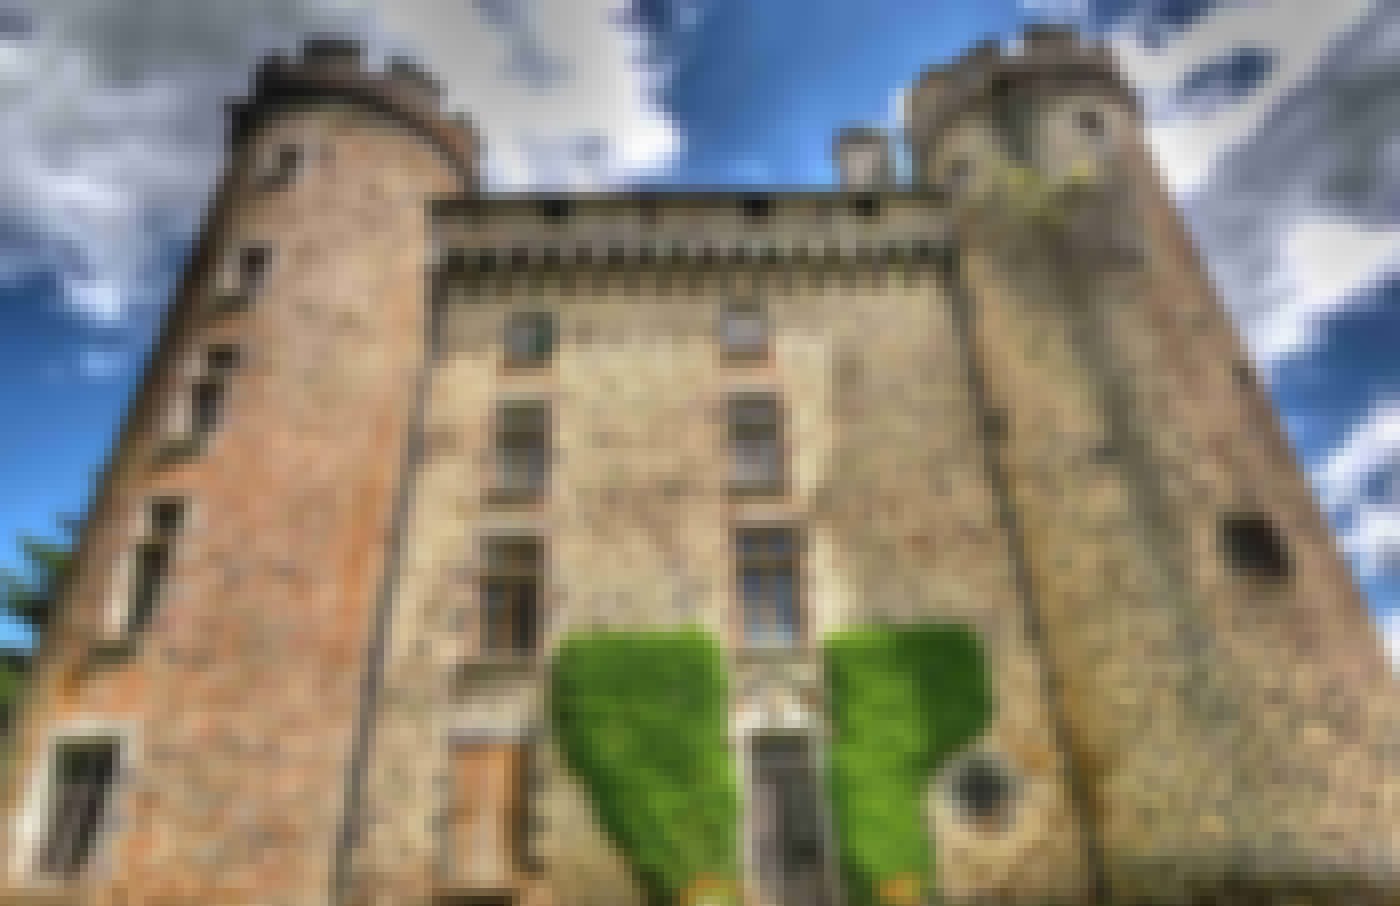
<point>334,68</point>
<point>1050,58</point>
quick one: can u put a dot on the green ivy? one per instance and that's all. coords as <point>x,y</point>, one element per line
<point>642,718</point>
<point>902,700</point>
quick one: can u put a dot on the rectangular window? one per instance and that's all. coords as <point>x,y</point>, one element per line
<point>755,444</point>
<point>487,826</point>
<point>522,448</point>
<point>768,586</point>
<point>530,337</point>
<point>80,788</point>
<point>151,560</point>
<point>745,330</point>
<point>511,592</point>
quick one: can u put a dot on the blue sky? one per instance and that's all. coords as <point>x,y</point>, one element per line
<point>1274,122</point>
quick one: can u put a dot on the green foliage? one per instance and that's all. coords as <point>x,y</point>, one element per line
<point>30,595</point>
<point>902,700</point>
<point>1023,195</point>
<point>643,719</point>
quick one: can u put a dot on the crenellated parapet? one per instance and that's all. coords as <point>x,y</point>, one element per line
<point>335,69</point>
<point>1049,60</point>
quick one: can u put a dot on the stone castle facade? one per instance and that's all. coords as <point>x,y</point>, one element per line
<point>400,436</point>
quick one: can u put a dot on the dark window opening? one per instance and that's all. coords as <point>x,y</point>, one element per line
<point>755,443</point>
<point>1254,546</point>
<point>152,564</point>
<point>866,206</point>
<point>530,338</point>
<point>283,167</point>
<point>208,405</point>
<point>1090,122</point>
<point>1243,376</point>
<point>166,516</point>
<point>511,595</point>
<point>556,210</point>
<point>81,786</point>
<point>522,448</point>
<point>982,789</point>
<point>757,207</point>
<point>768,586</point>
<point>252,268</point>
<point>221,360</point>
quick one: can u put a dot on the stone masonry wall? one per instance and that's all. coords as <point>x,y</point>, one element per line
<point>887,486</point>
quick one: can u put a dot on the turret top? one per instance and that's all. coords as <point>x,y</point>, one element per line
<point>1047,55</point>
<point>334,68</point>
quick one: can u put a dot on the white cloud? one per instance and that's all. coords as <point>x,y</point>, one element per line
<point>1370,451</point>
<point>580,74</point>
<point>1298,32</point>
<point>112,115</point>
<point>1326,263</point>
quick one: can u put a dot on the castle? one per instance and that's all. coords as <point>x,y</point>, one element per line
<point>401,440</point>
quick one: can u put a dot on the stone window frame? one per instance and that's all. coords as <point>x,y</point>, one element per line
<point>115,619</point>
<point>797,561</point>
<point>29,823</point>
<point>490,572</point>
<point>746,725</point>
<point>771,434</point>
<point>1004,819</point>
<point>239,284</point>
<point>180,433</point>
<point>504,446</point>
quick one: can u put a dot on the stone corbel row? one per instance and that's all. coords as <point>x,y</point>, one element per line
<point>717,251</point>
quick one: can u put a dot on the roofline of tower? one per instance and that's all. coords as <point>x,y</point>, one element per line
<point>1047,53</point>
<point>332,69</point>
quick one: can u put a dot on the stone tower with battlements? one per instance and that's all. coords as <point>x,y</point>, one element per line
<point>400,439</point>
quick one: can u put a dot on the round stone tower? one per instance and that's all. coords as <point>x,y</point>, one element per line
<point>217,628</point>
<point>1225,699</point>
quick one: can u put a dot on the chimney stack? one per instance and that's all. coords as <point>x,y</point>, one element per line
<point>864,159</point>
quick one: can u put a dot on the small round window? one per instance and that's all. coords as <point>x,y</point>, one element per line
<point>983,791</point>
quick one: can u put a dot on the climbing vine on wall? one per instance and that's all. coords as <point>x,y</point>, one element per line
<point>642,721</point>
<point>902,700</point>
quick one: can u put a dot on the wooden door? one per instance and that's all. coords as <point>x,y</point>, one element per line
<point>487,780</point>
